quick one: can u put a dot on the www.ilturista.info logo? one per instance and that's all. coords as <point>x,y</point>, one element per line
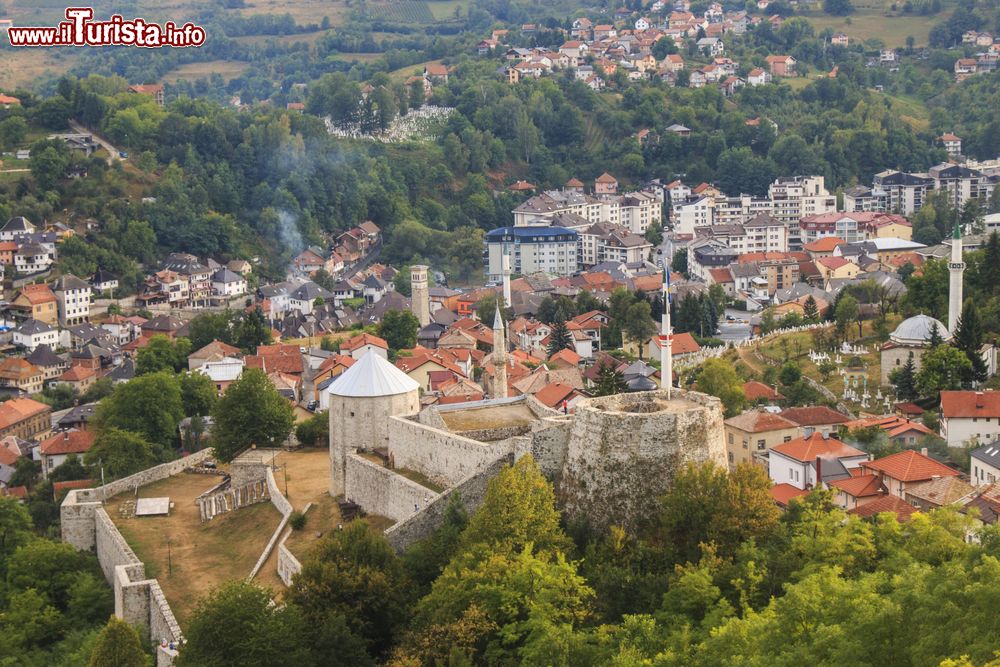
<point>80,30</point>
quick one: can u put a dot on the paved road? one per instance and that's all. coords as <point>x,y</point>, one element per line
<point>103,143</point>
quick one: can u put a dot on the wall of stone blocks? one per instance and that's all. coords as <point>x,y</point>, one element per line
<point>147,476</point>
<point>471,490</point>
<point>381,491</point>
<point>444,457</point>
<point>288,564</point>
<point>246,472</point>
<point>278,499</point>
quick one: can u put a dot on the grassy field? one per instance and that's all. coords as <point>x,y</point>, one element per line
<point>201,555</point>
<point>23,67</point>
<point>443,10</point>
<point>303,11</point>
<point>309,38</point>
<point>870,23</point>
<point>227,69</point>
<point>912,110</point>
<point>404,73</point>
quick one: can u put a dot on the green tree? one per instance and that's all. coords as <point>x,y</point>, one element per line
<point>559,338</point>
<point>251,412</point>
<point>355,576</point>
<point>117,645</point>
<point>679,262</point>
<point>718,379</point>
<point>427,558</point>
<point>161,354</point>
<point>847,313</point>
<point>15,527</point>
<point>838,7</point>
<point>399,329</point>
<point>609,380</point>
<point>557,309</point>
<point>790,374</point>
<point>486,309</point>
<point>239,619</point>
<point>149,405</point>
<point>969,339</point>
<point>119,453</point>
<point>942,368</point>
<point>905,380</point>
<point>810,311</point>
<point>198,394</point>
<point>638,324</point>
<point>315,431</point>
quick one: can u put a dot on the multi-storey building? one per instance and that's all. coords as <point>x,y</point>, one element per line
<point>73,300</point>
<point>635,210</point>
<point>198,276</point>
<point>794,197</point>
<point>532,249</point>
<point>864,199</point>
<point>961,183</point>
<point>905,193</point>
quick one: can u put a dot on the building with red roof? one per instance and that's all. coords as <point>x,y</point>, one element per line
<point>362,344</point>
<point>751,435</point>
<point>558,396</point>
<point>899,430</point>
<point>970,415</point>
<point>902,470</point>
<point>759,392</point>
<point>857,490</point>
<point>800,461</point>
<point>815,418</point>
<point>55,449</point>
<point>902,509</point>
<point>783,494</point>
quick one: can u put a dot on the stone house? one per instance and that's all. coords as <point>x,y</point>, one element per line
<point>751,435</point>
<point>24,418</point>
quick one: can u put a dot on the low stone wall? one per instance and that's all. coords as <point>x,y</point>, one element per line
<point>444,457</point>
<point>211,505</point>
<point>471,490</point>
<point>245,472</point>
<point>278,499</point>
<point>381,491</point>
<point>288,564</point>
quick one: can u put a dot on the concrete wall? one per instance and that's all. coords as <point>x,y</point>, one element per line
<point>624,450</point>
<point>381,491</point>
<point>444,457</point>
<point>471,490</point>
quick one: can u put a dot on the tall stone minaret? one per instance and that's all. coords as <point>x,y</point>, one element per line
<point>419,296</point>
<point>956,268</point>
<point>666,353</point>
<point>506,279</point>
<point>499,356</point>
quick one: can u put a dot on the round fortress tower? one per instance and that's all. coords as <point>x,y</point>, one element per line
<point>361,401</point>
<point>624,450</point>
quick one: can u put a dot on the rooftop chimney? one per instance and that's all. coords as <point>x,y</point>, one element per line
<point>979,399</point>
<point>819,472</point>
<point>65,435</point>
<point>923,451</point>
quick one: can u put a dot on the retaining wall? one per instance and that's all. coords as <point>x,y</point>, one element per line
<point>288,564</point>
<point>444,457</point>
<point>381,491</point>
<point>471,490</point>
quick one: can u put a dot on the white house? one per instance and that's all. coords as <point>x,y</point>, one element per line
<point>57,448</point>
<point>362,344</point>
<point>33,333</point>
<point>229,284</point>
<point>72,299</point>
<point>223,372</point>
<point>794,462</point>
<point>32,258</point>
<point>970,416</point>
<point>985,464</point>
<point>304,298</point>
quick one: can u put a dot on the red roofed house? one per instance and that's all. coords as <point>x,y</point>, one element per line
<point>558,396</point>
<point>904,469</point>
<point>970,415</point>
<point>565,358</point>
<point>758,391</point>
<point>815,418</point>
<point>822,247</point>
<point>55,449</point>
<point>899,430</point>
<point>436,72</point>
<point>723,277</point>
<point>902,509</point>
<point>857,490</point>
<point>781,65</point>
<point>681,344</point>
<point>836,267</point>
<point>154,89</point>
<point>783,494</point>
<point>606,184</point>
<point>362,344</point>
<point>24,418</point>
<point>79,377</point>
<point>795,462</point>
<point>751,435</point>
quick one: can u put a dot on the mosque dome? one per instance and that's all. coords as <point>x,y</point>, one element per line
<point>372,376</point>
<point>916,331</point>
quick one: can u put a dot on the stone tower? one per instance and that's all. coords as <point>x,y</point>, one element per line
<point>499,356</point>
<point>361,401</point>
<point>419,296</point>
<point>956,268</point>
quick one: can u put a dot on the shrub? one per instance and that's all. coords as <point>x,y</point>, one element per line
<point>297,520</point>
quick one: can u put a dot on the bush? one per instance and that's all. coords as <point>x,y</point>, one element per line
<point>297,520</point>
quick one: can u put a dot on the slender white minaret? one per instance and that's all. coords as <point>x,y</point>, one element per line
<point>499,357</point>
<point>506,279</point>
<point>956,268</point>
<point>666,353</point>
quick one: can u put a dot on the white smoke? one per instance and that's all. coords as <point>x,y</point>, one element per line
<point>289,234</point>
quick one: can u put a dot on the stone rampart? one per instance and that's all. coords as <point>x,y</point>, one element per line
<point>288,564</point>
<point>278,499</point>
<point>471,490</point>
<point>444,457</point>
<point>381,491</point>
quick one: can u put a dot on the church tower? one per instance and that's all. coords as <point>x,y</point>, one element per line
<point>956,268</point>
<point>499,357</point>
<point>419,294</point>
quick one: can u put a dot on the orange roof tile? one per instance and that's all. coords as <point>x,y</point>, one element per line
<point>910,466</point>
<point>825,244</point>
<point>755,390</point>
<point>554,394</point>
<point>902,509</point>
<point>807,449</point>
<point>965,404</point>
<point>364,339</point>
<point>567,356</point>
<point>782,494</point>
<point>816,415</point>
<point>18,409</point>
<point>861,486</point>
<point>67,442</point>
<point>760,421</point>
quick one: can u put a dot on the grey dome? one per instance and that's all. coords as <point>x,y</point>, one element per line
<point>916,330</point>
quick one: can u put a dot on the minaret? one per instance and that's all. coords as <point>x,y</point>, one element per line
<point>499,357</point>
<point>506,279</point>
<point>419,296</point>
<point>666,353</point>
<point>956,268</point>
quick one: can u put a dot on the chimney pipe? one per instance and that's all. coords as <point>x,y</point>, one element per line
<point>923,450</point>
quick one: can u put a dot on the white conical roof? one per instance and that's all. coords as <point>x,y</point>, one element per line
<point>372,376</point>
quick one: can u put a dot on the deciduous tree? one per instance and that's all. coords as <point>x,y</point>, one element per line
<point>251,412</point>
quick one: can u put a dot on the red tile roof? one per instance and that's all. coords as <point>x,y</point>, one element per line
<point>965,404</point>
<point>760,421</point>
<point>554,394</point>
<point>902,509</point>
<point>19,492</point>
<point>807,449</point>
<point>18,409</point>
<point>73,484</point>
<point>721,275</point>
<point>861,486</point>
<point>783,494</point>
<point>36,294</point>
<point>566,356</point>
<point>816,415</point>
<point>755,391</point>
<point>364,339</point>
<point>832,263</point>
<point>910,466</point>
<point>67,442</point>
<point>825,244</point>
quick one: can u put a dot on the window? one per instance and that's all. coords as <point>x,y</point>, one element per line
<point>761,444</point>
<point>787,438</point>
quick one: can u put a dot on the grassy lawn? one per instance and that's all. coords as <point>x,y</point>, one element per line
<point>912,110</point>
<point>871,23</point>
<point>227,69</point>
<point>303,11</point>
<point>445,9</point>
<point>321,518</point>
<point>23,67</point>
<point>309,38</point>
<point>404,73</point>
<point>201,555</point>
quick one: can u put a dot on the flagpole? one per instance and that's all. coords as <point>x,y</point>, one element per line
<point>666,353</point>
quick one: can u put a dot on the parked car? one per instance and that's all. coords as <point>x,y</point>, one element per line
<point>123,155</point>
<point>312,405</point>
